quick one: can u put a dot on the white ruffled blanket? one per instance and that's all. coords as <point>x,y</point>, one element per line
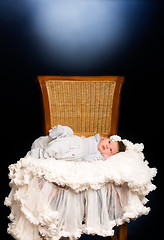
<point>65,198</point>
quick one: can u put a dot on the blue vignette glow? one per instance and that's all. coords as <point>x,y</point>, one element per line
<point>73,32</point>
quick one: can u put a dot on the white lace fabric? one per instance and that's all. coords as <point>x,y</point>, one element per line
<point>50,198</point>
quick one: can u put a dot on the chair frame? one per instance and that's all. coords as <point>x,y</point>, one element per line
<point>119,80</point>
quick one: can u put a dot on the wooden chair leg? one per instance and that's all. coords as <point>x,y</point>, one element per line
<point>114,237</point>
<point>122,232</point>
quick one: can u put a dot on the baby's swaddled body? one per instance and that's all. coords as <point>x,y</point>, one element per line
<point>62,144</point>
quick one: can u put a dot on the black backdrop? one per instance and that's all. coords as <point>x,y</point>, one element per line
<point>81,45</point>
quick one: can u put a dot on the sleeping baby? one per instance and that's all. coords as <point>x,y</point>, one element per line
<point>62,144</point>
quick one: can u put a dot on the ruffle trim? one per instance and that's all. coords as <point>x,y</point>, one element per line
<point>123,168</point>
<point>128,168</point>
<point>47,225</point>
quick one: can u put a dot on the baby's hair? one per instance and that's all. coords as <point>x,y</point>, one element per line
<point>121,146</point>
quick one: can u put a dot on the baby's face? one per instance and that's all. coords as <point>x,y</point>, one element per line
<point>107,147</point>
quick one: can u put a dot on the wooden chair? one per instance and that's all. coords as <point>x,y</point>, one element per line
<point>88,104</point>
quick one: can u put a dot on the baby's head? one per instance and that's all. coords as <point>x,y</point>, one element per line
<point>111,146</point>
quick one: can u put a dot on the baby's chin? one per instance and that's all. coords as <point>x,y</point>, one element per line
<point>101,152</point>
<point>105,156</point>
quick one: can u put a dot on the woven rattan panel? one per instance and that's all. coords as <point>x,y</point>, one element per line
<point>85,106</point>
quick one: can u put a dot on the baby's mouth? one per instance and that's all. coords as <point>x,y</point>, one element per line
<point>103,147</point>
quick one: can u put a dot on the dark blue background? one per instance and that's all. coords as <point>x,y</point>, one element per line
<point>85,37</point>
